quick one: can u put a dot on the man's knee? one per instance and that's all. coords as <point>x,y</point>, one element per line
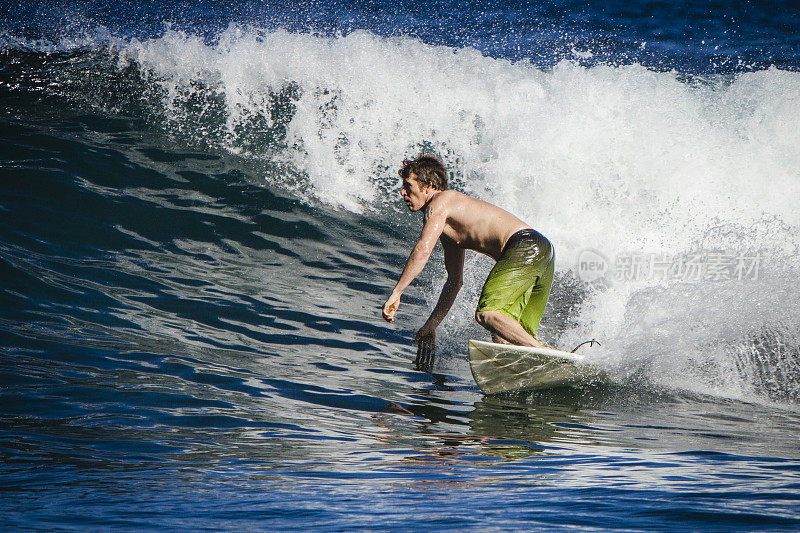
<point>483,317</point>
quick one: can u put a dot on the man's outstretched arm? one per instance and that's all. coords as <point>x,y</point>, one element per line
<point>431,232</point>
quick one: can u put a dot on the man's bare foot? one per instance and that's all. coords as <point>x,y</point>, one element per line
<point>498,339</point>
<point>542,344</point>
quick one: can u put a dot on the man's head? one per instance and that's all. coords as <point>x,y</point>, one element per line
<point>428,171</point>
<point>422,178</point>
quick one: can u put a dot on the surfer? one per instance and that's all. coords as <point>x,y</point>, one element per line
<point>515,292</point>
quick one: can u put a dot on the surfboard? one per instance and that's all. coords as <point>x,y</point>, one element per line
<point>506,368</point>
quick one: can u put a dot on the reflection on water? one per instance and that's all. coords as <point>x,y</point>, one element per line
<point>516,427</point>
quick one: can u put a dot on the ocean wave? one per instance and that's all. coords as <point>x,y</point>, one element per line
<point>622,160</point>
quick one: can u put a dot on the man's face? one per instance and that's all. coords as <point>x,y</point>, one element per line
<point>414,196</point>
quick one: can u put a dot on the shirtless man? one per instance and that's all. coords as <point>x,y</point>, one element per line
<point>515,293</point>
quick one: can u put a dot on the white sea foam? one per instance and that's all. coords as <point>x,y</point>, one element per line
<point>617,159</point>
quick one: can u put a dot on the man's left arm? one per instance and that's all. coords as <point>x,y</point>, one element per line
<point>431,231</point>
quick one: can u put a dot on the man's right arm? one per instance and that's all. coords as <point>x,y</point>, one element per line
<point>454,264</point>
<point>426,336</point>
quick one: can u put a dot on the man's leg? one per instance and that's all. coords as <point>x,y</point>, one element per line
<point>507,329</point>
<point>516,291</point>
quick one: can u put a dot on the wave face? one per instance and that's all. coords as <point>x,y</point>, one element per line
<point>622,161</point>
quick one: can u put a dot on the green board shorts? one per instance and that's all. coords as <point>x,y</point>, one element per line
<point>519,284</point>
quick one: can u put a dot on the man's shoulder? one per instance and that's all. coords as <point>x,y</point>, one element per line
<point>449,197</point>
<point>443,204</point>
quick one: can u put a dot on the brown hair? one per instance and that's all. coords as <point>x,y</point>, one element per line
<point>428,169</point>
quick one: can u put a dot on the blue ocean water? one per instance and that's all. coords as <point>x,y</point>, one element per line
<point>200,219</point>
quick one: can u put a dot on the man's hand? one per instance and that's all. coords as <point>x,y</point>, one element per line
<point>426,348</point>
<point>390,307</point>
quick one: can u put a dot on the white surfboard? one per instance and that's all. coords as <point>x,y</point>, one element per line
<point>506,368</point>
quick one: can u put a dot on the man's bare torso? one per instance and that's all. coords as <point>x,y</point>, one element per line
<point>473,224</point>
